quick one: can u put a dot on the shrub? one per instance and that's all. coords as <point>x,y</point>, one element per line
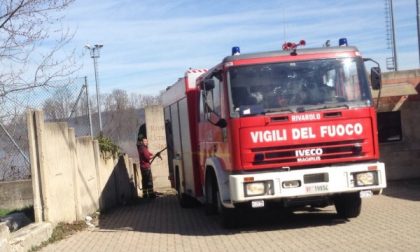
<point>107,147</point>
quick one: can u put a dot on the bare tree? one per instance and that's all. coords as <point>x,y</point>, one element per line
<point>117,101</point>
<point>149,100</point>
<point>135,100</point>
<point>26,26</point>
<point>32,54</point>
<point>59,105</point>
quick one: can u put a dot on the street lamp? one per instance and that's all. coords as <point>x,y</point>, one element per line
<point>94,54</point>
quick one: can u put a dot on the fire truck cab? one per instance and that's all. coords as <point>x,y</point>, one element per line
<point>295,127</point>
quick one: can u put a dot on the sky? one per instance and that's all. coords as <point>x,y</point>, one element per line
<point>149,44</point>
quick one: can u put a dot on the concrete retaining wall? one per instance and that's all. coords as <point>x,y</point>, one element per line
<point>56,173</point>
<point>107,183</point>
<point>71,177</point>
<point>16,194</point>
<point>87,180</point>
<point>117,182</point>
<point>26,238</point>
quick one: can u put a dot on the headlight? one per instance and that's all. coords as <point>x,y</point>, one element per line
<point>254,189</point>
<point>365,178</point>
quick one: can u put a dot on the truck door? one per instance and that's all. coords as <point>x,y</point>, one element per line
<point>213,136</point>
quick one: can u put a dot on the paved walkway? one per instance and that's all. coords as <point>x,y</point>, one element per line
<point>390,222</point>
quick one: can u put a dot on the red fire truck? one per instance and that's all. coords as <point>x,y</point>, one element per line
<point>292,127</point>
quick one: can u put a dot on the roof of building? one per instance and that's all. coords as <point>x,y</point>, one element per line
<point>398,89</point>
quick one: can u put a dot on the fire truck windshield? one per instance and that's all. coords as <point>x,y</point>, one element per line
<point>298,86</point>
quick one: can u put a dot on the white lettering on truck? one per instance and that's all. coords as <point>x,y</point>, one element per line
<point>308,152</point>
<point>303,133</point>
<point>278,135</point>
<point>268,136</point>
<point>341,130</point>
<point>306,117</point>
<point>308,155</point>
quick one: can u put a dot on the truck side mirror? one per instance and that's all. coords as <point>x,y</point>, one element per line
<point>208,84</point>
<point>375,78</point>
<point>222,123</point>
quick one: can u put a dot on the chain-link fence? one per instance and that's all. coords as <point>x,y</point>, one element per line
<point>66,101</point>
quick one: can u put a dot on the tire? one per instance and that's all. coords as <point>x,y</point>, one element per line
<point>348,205</point>
<point>185,201</point>
<point>228,217</point>
<point>211,204</point>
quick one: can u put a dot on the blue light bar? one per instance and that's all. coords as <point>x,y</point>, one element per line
<point>342,42</point>
<point>236,50</point>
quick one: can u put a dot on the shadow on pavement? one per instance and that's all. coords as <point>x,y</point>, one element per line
<point>164,215</point>
<point>404,189</point>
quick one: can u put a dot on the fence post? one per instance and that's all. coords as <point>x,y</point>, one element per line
<point>88,107</point>
<point>34,153</point>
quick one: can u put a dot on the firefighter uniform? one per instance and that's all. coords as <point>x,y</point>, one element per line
<point>146,173</point>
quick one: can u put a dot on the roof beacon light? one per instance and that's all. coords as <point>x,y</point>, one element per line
<point>342,42</point>
<point>236,50</point>
<point>292,46</point>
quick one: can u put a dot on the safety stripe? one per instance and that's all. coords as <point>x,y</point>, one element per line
<point>197,71</point>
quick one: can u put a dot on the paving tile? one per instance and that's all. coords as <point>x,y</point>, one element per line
<point>389,222</point>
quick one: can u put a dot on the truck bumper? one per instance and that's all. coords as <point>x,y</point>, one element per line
<point>302,183</point>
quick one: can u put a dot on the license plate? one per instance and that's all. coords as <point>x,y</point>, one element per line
<point>317,188</point>
<point>366,194</point>
<point>257,203</point>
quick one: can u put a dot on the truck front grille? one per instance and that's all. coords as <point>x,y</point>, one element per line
<point>315,151</point>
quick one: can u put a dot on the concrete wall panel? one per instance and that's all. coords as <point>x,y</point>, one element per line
<point>157,141</point>
<point>57,174</point>
<point>16,194</point>
<point>108,184</point>
<point>70,177</point>
<point>86,176</point>
<point>122,176</point>
<point>34,156</point>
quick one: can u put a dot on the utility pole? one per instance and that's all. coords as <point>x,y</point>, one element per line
<point>88,107</point>
<point>94,54</point>
<point>418,25</point>
<point>394,42</point>
<point>391,63</point>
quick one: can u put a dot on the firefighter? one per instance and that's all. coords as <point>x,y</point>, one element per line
<point>146,173</point>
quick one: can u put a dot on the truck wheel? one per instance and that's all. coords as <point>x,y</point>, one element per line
<point>213,203</point>
<point>211,195</point>
<point>184,200</point>
<point>228,216</point>
<point>348,205</point>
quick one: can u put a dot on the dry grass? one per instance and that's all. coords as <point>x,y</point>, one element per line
<point>61,231</point>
